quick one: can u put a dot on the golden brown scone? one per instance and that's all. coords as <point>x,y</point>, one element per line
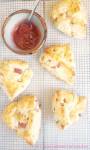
<point>15,76</point>
<point>67,107</point>
<point>24,116</point>
<point>69,16</point>
<point>58,60</point>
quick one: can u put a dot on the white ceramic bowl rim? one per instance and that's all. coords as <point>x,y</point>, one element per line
<point>42,21</point>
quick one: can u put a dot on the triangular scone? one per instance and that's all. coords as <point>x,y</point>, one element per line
<point>15,76</point>
<point>24,116</point>
<point>58,60</point>
<point>69,16</point>
<point>67,107</point>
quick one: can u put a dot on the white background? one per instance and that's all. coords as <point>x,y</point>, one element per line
<point>43,85</point>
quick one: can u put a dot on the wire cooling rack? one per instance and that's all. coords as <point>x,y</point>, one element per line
<point>43,86</point>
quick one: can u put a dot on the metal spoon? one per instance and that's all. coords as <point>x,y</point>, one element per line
<point>32,12</point>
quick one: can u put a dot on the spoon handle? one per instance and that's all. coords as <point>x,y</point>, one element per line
<point>35,6</point>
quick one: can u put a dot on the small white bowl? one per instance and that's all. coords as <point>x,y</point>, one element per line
<point>10,23</point>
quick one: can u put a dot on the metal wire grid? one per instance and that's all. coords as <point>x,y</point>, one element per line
<point>43,86</point>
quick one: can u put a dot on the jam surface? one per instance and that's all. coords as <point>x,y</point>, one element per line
<point>26,35</point>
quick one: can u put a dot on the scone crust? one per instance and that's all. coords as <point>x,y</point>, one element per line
<point>67,107</point>
<point>70,17</point>
<point>58,60</point>
<point>14,82</point>
<point>24,116</point>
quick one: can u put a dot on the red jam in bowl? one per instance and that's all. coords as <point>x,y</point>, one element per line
<point>26,35</point>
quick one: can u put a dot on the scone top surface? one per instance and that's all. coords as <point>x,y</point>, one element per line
<point>14,76</point>
<point>59,61</point>
<point>24,116</point>
<point>67,107</point>
<point>70,17</point>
